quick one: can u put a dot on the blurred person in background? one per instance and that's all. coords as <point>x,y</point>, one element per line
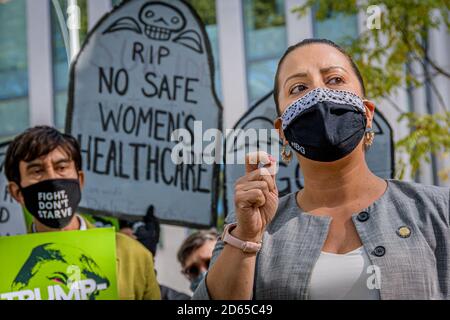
<point>195,254</point>
<point>147,232</point>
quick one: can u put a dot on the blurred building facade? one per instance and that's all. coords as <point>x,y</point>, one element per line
<point>247,36</point>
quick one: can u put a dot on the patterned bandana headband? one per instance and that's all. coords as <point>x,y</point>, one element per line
<point>320,95</point>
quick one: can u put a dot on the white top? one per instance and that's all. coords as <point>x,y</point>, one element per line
<point>343,277</point>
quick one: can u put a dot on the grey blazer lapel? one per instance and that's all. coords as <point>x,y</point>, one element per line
<point>405,264</point>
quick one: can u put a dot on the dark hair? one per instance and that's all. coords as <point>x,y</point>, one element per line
<point>276,89</point>
<point>193,242</point>
<point>36,142</point>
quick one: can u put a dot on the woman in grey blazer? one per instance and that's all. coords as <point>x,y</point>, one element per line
<point>347,233</point>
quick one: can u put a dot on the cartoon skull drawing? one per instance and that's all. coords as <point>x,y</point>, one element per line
<point>160,20</point>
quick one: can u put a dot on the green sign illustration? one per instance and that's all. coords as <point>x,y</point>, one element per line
<point>69,265</point>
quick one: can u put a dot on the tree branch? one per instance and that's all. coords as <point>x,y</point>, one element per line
<point>429,79</point>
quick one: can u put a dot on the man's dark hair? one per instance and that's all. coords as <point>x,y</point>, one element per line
<point>37,142</point>
<point>305,42</point>
<point>193,242</point>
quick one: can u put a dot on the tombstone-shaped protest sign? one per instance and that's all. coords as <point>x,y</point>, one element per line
<point>71,265</point>
<point>144,71</point>
<point>12,221</point>
<point>380,157</point>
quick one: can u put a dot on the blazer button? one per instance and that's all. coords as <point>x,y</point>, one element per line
<point>379,251</point>
<point>363,216</point>
<point>404,232</point>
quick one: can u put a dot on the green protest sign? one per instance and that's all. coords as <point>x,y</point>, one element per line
<point>68,265</point>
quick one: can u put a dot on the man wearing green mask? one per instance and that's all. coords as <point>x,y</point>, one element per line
<point>44,170</point>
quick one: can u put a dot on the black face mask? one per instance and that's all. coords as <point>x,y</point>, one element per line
<point>53,202</point>
<point>325,125</point>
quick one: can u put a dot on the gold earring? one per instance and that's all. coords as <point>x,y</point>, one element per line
<point>286,155</point>
<point>369,137</point>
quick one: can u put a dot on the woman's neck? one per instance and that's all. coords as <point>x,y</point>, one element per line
<point>339,184</point>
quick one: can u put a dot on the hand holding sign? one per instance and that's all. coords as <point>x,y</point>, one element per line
<point>256,197</point>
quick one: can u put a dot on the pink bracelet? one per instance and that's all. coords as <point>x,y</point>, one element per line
<point>245,246</point>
